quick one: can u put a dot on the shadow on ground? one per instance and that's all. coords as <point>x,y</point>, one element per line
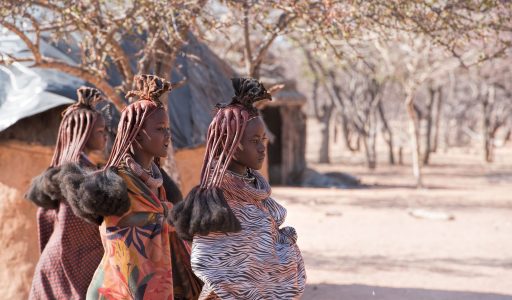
<point>378,263</point>
<point>366,292</point>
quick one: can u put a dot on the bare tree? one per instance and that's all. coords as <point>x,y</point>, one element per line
<point>360,102</point>
<point>413,60</point>
<point>496,112</point>
<point>461,113</point>
<point>322,107</point>
<point>453,25</point>
<point>331,105</point>
<point>387,134</point>
<point>355,89</point>
<point>99,30</point>
<point>156,28</point>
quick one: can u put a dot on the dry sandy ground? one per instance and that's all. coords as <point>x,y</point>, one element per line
<point>364,244</point>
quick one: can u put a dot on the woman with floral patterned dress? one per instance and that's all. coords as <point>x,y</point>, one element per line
<point>143,257</point>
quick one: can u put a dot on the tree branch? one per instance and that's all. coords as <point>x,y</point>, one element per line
<point>118,53</point>
<point>248,50</point>
<point>101,84</point>
<point>282,22</point>
<point>32,46</point>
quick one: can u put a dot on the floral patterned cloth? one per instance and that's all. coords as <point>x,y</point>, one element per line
<point>137,263</point>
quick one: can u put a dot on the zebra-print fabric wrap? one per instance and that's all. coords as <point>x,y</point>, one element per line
<point>260,262</point>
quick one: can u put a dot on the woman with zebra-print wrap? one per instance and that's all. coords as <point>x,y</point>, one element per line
<point>239,250</point>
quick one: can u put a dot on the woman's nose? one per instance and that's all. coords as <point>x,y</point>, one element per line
<point>261,148</point>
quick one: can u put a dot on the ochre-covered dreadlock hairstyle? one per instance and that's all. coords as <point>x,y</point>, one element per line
<point>227,127</point>
<point>76,126</point>
<point>149,89</point>
<point>74,131</point>
<point>205,210</point>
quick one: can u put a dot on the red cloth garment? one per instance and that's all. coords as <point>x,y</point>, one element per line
<point>45,226</point>
<point>71,252</point>
<point>69,259</point>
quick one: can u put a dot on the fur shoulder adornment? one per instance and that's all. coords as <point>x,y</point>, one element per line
<point>204,210</point>
<point>44,189</point>
<point>71,177</point>
<point>93,195</point>
<point>105,193</point>
<point>172,191</point>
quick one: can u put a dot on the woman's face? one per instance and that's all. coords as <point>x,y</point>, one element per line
<point>251,152</point>
<point>98,137</point>
<point>155,136</point>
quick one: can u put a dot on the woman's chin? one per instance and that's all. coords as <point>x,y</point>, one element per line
<point>162,154</point>
<point>257,166</point>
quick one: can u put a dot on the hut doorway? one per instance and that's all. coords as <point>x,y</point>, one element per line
<point>273,120</point>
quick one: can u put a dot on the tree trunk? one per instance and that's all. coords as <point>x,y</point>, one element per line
<point>357,147</point>
<point>347,136</point>
<point>488,132</point>
<point>249,67</point>
<point>325,121</point>
<point>368,134</point>
<point>369,161</point>
<point>428,135</point>
<point>386,133</point>
<point>369,150</point>
<point>460,135</point>
<point>446,136</point>
<point>437,116</point>
<point>489,143</point>
<point>414,132</point>
<point>507,137</point>
<point>489,148</point>
<point>373,139</point>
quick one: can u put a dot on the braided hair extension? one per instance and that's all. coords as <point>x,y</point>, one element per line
<point>76,126</point>
<point>205,210</point>
<point>149,89</point>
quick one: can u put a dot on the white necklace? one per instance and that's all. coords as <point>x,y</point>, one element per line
<point>247,177</point>
<point>149,171</point>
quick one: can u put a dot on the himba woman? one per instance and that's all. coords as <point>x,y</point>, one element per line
<point>238,249</point>
<point>143,257</point>
<point>71,248</point>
